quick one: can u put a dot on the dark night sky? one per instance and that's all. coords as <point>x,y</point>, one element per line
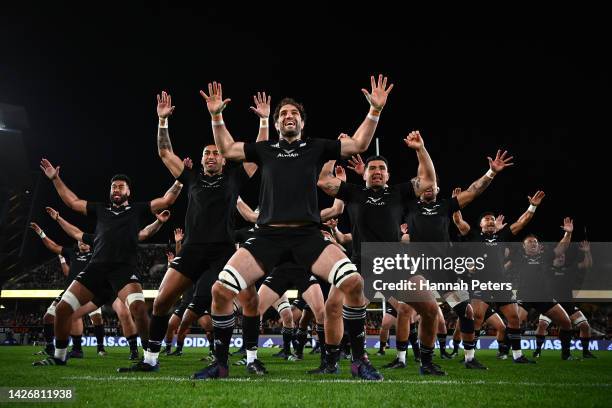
<point>89,84</point>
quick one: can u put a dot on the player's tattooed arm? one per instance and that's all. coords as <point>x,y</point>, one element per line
<point>164,145</point>
<point>419,185</point>
<point>164,110</point>
<point>327,181</point>
<point>152,229</point>
<point>337,207</point>
<point>175,189</point>
<point>331,188</point>
<point>168,199</point>
<point>480,185</point>
<point>163,140</point>
<point>496,165</point>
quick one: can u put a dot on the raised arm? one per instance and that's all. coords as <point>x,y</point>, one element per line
<point>341,238</point>
<point>499,222</point>
<point>460,223</point>
<point>587,261</point>
<point>262,110</point>
<point>178,239</point>
<point>151,229</point>
<point>164,146</point>
<point>335,210</point>
<point>246,211</point>
<point>72,231</point>
<point>65,267</point>
<point>426,173</point>
<point>377,99</point>
<point>48,242</point>
<point>563,245</point>
<point>223,139</point>
<point>337,207</point>
<point>67,196</point>
<point>168,199</point>
<point>480,185</point>
<point>405,235</point>
<point>356,164</point>
<point>524,219</point>
<point>327,181</point>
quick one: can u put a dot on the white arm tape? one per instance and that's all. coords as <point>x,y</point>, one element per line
<point>373,117</point>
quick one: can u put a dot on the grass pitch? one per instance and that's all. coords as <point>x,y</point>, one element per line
<point>549,383</point>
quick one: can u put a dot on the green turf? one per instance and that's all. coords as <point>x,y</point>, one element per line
<point>550,383</point>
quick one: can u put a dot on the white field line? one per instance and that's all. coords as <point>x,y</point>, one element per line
<point>342,381</point>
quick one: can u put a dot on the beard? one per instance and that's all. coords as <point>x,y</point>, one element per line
<point>289,133</point>
<point>118,200</point>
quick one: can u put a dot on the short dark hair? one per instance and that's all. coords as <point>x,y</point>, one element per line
<point>289,101</point>
<point>376,157</point>
<point>122,177</point>
<point>484,214</point>
<point>531,235</point>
